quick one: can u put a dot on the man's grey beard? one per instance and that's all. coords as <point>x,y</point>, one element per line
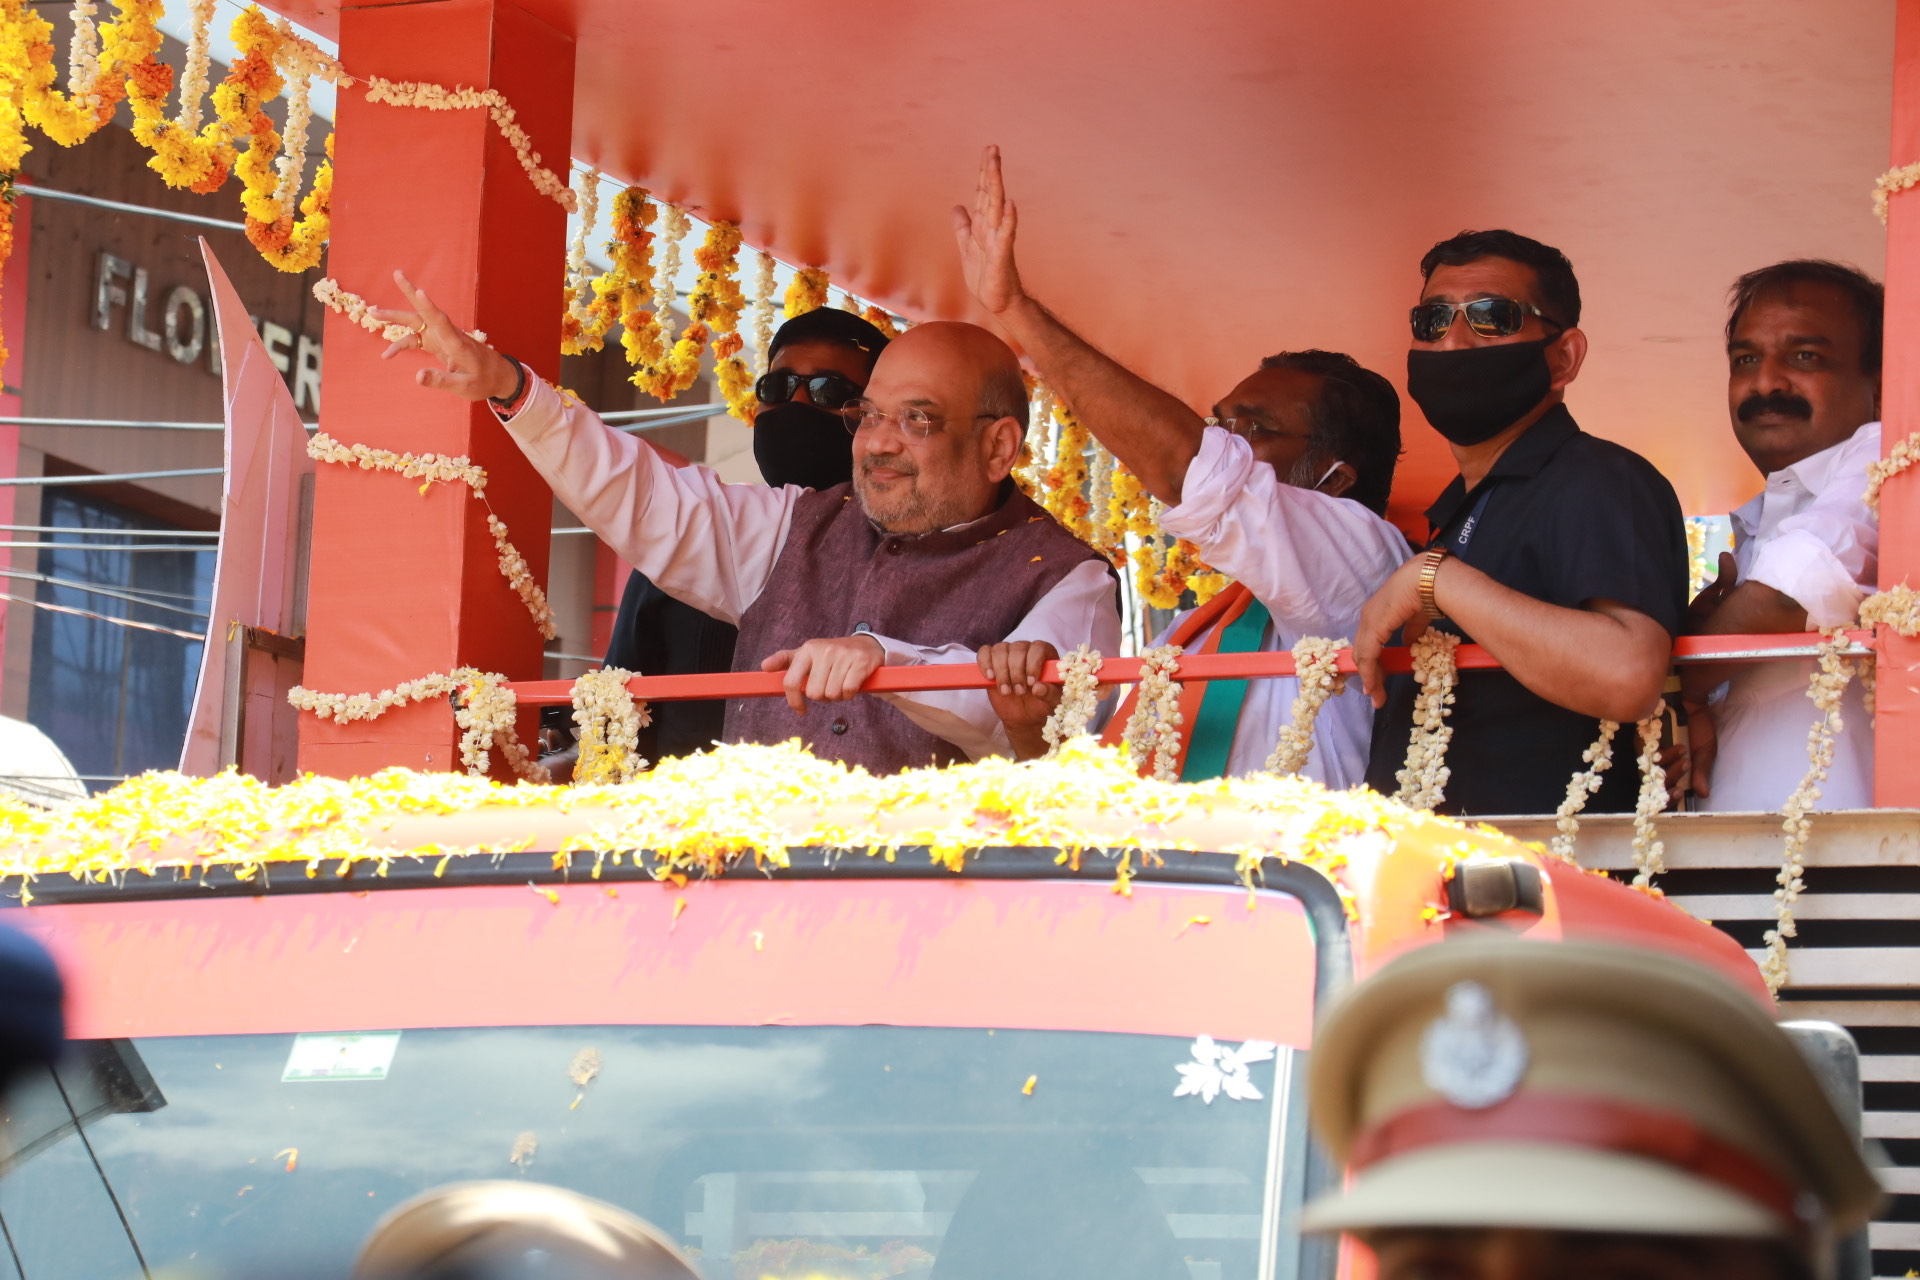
<point>910,508</point>
<point>1307,472</point>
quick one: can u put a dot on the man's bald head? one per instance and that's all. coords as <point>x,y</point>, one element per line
<point>959,354</point>
<point>966,385</point>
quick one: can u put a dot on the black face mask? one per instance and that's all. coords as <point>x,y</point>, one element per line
<point>802,444</point>
<point>1474,393</point>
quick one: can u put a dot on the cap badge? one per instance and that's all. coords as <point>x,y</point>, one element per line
<point>1473,1055</point>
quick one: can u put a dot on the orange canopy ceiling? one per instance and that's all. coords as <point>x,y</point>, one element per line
<point>1203,183</point>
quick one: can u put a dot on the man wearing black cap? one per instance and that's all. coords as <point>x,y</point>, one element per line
<point>818,362</point>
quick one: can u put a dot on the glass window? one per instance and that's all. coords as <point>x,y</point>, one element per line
<point>115,698</point>
<point>795,1153</point>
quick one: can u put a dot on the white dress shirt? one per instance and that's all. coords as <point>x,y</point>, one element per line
<point>1313,560</point>
<point>713,545</point>
<point>1809,536</point>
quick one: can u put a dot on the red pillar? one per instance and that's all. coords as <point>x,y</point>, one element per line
<point>1896,774</point>
<point>402,584</point>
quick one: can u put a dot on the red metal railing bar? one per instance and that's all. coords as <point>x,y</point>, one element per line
<point>1215,666</point>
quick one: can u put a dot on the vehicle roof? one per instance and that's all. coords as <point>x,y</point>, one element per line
<point>742,808</point>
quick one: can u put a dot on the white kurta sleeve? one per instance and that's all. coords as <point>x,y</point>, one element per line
<point>704,542</point>
<point>1821,555</point>
<point>1313,560</point>
<point>1082,608</point>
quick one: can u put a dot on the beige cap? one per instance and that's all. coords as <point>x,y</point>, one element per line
<point>475,1222</point>
<point>1580,1087</point>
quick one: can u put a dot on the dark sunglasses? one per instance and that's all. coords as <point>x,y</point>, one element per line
<point>828,390</point>
<point>1488,317</point>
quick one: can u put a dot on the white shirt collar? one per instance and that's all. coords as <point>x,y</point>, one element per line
<point>1843,463</point>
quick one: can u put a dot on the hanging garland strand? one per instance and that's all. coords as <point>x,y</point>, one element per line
<point>715,305</point>
<point>1581,787</point>
<point>1423,779</point>
<point>1649,851</point>
<point>1079,698</point>
<point>609,720</point>
<point>1153,730</point>
<point>1316,663</point>
<point>1828,687</point>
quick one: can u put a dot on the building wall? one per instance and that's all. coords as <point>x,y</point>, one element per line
<point>117,325</point>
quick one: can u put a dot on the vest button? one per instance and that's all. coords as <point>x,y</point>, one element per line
<point>839,725</point>
<point>893,546</point>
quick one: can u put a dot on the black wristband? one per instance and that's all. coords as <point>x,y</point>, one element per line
<point>519,384</point>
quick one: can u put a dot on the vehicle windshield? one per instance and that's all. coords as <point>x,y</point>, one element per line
<point>786,1152</point>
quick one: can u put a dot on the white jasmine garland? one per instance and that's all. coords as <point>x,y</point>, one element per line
<point>762,312</point>
<point>1423,780</point>
<point>83,54</point>
<point>433,97</point>
<point>193,77</point>
<point>1598,758</point>
<point>293,154</point>
<point>514,566</point>
<point>1153,730</point>
<point>1079,697</point>
<point>1649,851</point>
<point>1897,459</point>
<point>609,720</point>
<point>674,226</point>
<point>1828,686</point>
<point>579,276</point>
<point>1316,667</point>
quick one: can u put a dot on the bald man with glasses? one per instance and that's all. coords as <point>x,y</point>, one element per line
<point>929,554</point>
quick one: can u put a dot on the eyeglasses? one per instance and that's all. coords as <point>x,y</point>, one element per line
<point>1252,429</point>
<point>828,390</point>
<point>1488,317</point>
<point>865,415</point>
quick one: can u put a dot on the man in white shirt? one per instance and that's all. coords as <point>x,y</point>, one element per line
<point>1282,488</point>
<point>1803,346</point>
<point>930,552</point>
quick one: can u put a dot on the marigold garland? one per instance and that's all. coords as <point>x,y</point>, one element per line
<point>1316,664</point>
<point>1423,779</point>
<point>1903,455</point>
<point>1581,787</point>
<point>609,720</point>
<point>1066,478</point>
<point>1079,698</point>
<point>1153,730</point>
<point>716,304</point>
<point>807,291</point>
<point>880,320</point>
<point>738,804</point>
<point>184,154</point>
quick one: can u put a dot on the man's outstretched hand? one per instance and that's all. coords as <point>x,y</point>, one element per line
<point>986,239</point>
<point>472,370</point>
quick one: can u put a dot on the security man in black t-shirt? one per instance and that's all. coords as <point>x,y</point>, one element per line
<point>1562,554</point>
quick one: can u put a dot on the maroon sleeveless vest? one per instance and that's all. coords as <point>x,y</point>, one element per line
<point>969,587</point>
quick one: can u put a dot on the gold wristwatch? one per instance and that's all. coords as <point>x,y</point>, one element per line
<point>1429,568</point>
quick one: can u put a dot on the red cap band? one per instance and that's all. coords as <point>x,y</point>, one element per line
<point>1597,1123</point>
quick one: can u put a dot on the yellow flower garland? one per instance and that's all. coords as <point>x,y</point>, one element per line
<point>716,303</point>
<point>806,292</point>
